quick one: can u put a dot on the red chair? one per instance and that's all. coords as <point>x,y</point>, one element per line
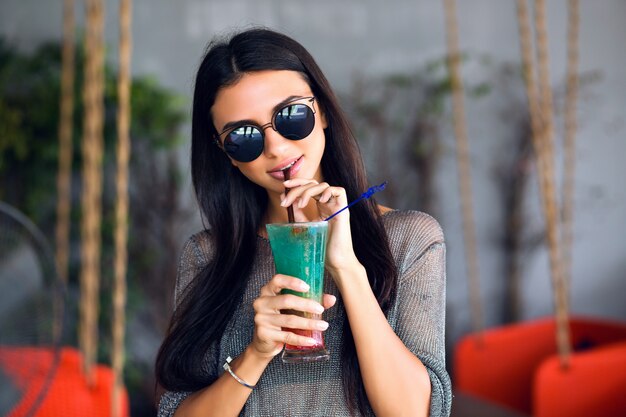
<point>499,365</point>
<point>502,367</point>
<point>39,377</point>
<point>66,393</point>
<point>593,384</point>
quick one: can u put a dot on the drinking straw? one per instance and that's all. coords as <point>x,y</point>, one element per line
<point>366,194</point>
<point>290,208</point>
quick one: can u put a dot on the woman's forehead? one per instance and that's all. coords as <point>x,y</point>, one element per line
<point>256,93</point>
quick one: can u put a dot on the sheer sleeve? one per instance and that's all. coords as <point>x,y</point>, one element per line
<point>169,403</point>
<point>193,258</point>
<point>419,313</point>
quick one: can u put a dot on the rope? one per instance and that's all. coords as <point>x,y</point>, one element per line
<point>64,175</point>
<point>569,141</point>
<point>92,185</point>
<point>121,207</point>
<point>529,77</point>
<point>528,67</point>
<point>552,218</point>
<point>542,136</point>
<point>463,163</point>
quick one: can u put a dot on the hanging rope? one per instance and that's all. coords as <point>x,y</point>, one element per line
<point>529,78</point>
<point>121,207</point>
<point>540,109</point>
<point>463,163</point>
<point>560,296</point>
<point>92,185</point>
<point>64,174</point>
<point>570,142</point>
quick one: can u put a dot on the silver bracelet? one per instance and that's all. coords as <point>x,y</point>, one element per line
<point>230,371</point>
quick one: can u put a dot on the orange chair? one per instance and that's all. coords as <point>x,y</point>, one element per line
<point>66,393</point>
<point>593,384</point>
<point>499,366</point>
<point>502,368</point>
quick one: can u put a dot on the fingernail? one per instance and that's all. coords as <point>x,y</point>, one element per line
<point>312,341</point>
<point>319,309</point>
<point>283,202</point>
<point>304,286</point>
<point>322,325</point>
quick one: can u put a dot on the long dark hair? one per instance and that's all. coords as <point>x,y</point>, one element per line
<point>233,207</point>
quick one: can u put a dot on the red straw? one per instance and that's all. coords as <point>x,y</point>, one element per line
<point>290,208</point>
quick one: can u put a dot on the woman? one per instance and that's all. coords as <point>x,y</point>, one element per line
<point>385,288</point>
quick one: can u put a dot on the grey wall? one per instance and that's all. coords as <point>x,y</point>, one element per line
<point>377,38</point>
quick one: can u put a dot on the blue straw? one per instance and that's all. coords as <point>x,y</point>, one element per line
<point>366,194</point>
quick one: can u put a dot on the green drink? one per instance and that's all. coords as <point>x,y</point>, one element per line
<point>299,250</point>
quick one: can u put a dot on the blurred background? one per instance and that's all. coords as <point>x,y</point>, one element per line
<point>388,63</point>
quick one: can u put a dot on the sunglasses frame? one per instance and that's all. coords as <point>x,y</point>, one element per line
<point>261,128</point>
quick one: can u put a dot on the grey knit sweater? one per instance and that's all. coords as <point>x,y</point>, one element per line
<point>316,389</point>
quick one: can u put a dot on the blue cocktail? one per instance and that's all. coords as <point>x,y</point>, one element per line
<point>299,250</point>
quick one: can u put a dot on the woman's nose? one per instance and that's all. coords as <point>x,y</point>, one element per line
<point>275,144</point>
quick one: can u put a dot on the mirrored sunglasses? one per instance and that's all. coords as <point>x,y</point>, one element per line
<point>294,121</point>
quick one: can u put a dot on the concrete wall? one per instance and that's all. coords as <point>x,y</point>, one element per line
<point>377,38</point>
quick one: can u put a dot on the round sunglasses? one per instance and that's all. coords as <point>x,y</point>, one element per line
<point>294,121</point>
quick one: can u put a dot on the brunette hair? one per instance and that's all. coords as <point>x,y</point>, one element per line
<point>233,207</point>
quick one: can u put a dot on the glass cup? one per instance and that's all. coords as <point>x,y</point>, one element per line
<point>299,250</point>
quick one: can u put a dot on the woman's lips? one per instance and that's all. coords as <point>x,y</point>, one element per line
<point>295,167</point>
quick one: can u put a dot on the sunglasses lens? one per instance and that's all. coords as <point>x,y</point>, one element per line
<point>244,143</point>
<point>295,121</point>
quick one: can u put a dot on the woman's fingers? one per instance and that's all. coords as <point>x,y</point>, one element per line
<point>297,182</point>
<point>290,321</point>
<point>301,191</point>
<point>330,193</point>
<point>287,302</point>
<point>285,337</point>
<point>280,282</point>
<point>278,319</point>
<point>300,194</point>
<point>328,301</point>
<point>311,191</point>
<point>271,300</point>
<point>295,188</point>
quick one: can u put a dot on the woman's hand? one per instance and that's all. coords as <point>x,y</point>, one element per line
<point>339,250</point>
<point>269,336</point>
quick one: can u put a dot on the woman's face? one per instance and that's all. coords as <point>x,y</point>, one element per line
<point>254,99</point>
